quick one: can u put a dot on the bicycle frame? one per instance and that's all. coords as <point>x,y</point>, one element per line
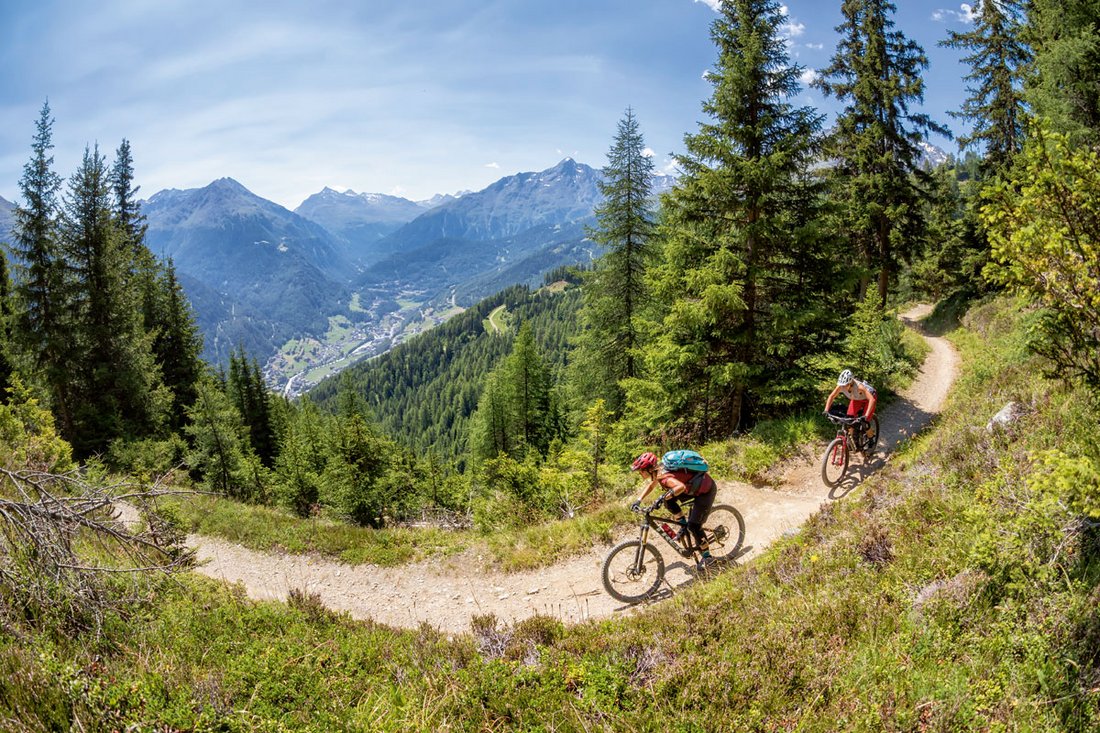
<point>846,429</point>
<point>685,546</point>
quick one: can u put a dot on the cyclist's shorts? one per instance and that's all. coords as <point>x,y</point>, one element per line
<point>857,407</point>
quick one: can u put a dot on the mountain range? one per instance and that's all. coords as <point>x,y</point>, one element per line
<point>260,275</point>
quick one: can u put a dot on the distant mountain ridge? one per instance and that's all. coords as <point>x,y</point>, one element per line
<point>360,220</point>
<point>260,275</point>
<point>567,192</point>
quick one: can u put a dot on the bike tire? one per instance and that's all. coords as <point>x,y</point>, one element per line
<point>869,444</point>
<point>623,581</point>
<point>725,532</point>
<point>833,467</point>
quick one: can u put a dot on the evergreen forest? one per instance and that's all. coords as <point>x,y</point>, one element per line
<point>955,590</point>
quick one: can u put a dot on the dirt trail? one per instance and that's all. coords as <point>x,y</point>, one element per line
<point>448,593</point>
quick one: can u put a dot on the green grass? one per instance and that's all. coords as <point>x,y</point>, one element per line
<point>954,590</point>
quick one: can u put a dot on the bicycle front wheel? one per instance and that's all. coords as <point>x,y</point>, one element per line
<point>835,463</point>
<point>725,532</point>
<point>633,571</point>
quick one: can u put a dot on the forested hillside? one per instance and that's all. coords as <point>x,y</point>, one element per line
<point>423,391</point>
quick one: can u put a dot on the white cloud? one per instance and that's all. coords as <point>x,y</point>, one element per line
<point>714,4</point>
<point>965,14</point>
<point>815,46</point>
<point>492,165</point>
<point>808,76</point>
<point>790,28</point>
<point>648,152</point>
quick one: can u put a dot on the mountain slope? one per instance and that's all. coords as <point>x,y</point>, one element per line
<point>424,390</point>
<point>7,219</point>
<point>275,273</point>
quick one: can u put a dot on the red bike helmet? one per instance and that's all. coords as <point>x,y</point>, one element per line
<point>644,462</point>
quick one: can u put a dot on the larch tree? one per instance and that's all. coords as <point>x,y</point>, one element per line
<point>876,73</point>
<point>1063,83</point>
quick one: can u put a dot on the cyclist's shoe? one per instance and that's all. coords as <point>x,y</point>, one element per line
<point>681,532</point>
<point>705,563</point>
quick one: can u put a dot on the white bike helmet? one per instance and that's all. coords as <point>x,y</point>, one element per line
<point>845,378</point>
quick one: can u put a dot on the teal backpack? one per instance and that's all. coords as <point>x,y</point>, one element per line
<point>690,467</point>
<point>678,460</point>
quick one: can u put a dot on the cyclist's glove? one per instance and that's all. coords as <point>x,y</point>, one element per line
<point>636,505</point>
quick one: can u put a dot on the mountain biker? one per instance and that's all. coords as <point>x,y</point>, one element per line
<point>673,485</point>
<point>861,399</point>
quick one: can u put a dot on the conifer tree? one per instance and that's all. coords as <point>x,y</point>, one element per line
<point>119,382</point>
<point>615,294</point>
<point>250,396</point>
<point>743,266</point>
<point>1063,86</point>
<point>876,74</point>
<point>214,428</point>
<point>177,344</point>
<point>997,56</point>
<point>6,315</point>
<point>43,325</point>
<point>303,455</point>
<point>528,380</point>
<point>491,424</point>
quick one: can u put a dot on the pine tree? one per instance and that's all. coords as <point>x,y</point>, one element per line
<point>177,345</point>
<point>1063,86</point>
<point>743,266</point>
<point>43,325</point>
<point>119,383</point>
<point>614,291</point>
<point>528,380</point>
<point>876,73</point>
<point>997,57</point>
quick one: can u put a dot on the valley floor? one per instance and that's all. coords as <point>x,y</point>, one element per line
<point>447,593</point>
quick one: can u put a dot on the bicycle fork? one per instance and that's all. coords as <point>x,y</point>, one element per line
<point>639,555</point>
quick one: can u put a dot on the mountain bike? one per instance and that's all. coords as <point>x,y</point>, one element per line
<point>851,436</point>
<point>634,569</point>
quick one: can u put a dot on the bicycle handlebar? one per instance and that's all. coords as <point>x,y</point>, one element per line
<point>843,419</point>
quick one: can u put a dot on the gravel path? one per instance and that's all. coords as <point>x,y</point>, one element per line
<point>448,593</point>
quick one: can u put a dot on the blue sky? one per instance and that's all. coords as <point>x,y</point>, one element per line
<point>407,98</point>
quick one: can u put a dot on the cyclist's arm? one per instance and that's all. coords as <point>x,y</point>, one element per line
<point>872,398</point>
<point>831,397</point>
<point>648,488</point>
<point>673,486</point>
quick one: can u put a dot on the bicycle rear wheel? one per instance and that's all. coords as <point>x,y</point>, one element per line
<point>725,532</point>
<point>630,578</point>
<point>869,442</point>
<point>835,463</point>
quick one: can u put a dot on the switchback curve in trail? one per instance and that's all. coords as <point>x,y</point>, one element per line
<point>447,593</point>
